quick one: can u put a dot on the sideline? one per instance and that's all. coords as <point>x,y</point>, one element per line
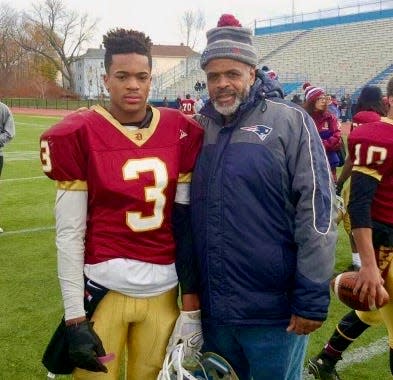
<point>358,355</point>
<point>27,231</point>
<point>22,179</point>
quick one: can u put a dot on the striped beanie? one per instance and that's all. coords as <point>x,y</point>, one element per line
<point>311,93</point>
<point>229,40</point>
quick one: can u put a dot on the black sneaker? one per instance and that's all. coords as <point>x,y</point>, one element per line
<point>322,369</point>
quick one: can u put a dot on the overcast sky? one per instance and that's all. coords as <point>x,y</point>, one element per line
<point>160,19</point>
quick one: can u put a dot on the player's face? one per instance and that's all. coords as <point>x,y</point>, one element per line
<point>228,82</point>
<point>128,83</point>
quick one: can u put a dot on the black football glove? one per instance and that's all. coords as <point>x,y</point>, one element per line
<point>85,346</point>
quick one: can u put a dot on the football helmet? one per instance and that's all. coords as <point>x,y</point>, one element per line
<point>206,366</point>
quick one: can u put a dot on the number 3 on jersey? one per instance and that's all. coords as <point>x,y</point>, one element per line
<point>131,170</point>
<point>45,157</point>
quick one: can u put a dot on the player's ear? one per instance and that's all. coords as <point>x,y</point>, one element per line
<point>106,80</point>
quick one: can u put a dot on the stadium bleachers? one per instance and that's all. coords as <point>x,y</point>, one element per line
<point>339,58</point>
<point>338,54</point>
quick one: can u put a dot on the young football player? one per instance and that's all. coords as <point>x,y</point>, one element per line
<point>123,177</point>
<point>370,109</point>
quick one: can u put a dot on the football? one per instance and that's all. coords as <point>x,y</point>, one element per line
<point>342,286</point>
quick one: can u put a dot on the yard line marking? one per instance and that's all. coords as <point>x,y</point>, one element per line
<point>358,355</point>
<point>22,179</point>
<point>27,231</point>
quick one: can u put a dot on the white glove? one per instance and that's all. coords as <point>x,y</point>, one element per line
<point>188,330</point>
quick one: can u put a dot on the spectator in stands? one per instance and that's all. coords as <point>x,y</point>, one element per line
<point>332,105</point>
<point>187,105</point>
<point>375,182</point>
<point>203,85</point>
<point>326,123</point>
<point>198,86</point>
<point>199,103</point>
<point>7,133</point>
<point>165,102</point>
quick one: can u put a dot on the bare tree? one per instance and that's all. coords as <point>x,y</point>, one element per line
<point>191,24</point>
<point>10,52</point>
<point>56,33</point>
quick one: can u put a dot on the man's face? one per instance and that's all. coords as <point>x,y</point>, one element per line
<point>128,83</point>
<point>228,82</point>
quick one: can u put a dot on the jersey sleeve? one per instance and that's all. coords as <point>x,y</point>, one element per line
<point>191,137</point>
<point>62,153</point>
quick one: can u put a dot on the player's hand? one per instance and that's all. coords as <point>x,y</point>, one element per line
<point>370,284</point>
<point>85,346</point>
<point>188,330</point>
<point>302,326</point>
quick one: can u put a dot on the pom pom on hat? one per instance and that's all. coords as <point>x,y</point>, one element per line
<point>229,40</point>
<point>311,93</point>
<point>228,20</point>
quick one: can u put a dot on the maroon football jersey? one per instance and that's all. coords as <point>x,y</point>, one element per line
<point>187,106</point>
<point>131,178</point>
<point>371,148</point>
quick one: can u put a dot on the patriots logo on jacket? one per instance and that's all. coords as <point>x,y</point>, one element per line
<point>261,130</point>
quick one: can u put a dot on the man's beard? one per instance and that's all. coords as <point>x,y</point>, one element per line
<point>230,110</point>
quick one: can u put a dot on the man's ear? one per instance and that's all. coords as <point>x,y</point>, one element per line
<point>252,75</point>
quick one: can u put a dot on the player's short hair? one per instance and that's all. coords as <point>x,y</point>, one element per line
<point>122,41</point>
<point>389,88</point>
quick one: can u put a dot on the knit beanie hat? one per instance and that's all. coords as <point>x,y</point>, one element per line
<point>229,40</point>
<point>311,93</point>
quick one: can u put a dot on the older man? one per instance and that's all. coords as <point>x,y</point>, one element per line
<point>263,214</point>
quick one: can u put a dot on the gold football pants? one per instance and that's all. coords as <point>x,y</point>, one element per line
<point>137,327</point>
<point>385,313</point>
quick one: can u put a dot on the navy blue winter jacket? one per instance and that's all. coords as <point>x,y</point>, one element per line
<point>262,206</point>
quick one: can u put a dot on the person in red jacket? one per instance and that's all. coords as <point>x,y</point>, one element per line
<point>315,103</point>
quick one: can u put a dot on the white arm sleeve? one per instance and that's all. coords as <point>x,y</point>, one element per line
<point>70,211</point>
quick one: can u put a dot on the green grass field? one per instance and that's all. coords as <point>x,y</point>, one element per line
<point>30,297</point>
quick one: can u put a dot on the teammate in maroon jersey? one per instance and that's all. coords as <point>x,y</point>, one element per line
<point>371,215</point>
<point>123,177</point>
<point>371,211</point>
<point>187,105</point>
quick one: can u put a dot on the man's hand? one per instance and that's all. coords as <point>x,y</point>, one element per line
<point>188,330</point>
<point>84,347</point>
<point>302,326</point>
